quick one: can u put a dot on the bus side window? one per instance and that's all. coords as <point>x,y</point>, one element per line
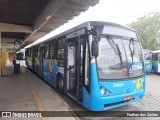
<point>46,50</point>
<point>60,53</point>
<point>154,56</point>
<point>38,51</point>
<point>52,49</point>
<point>31,52</point>
<point>87,66</point>
<point>84,61</point>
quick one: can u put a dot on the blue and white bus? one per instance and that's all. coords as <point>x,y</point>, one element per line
<point>148,60</point>
<point>156,61</point>
<point>98,64</point>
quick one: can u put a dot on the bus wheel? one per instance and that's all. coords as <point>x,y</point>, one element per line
<point>60,84</point>
<point>153,70</point>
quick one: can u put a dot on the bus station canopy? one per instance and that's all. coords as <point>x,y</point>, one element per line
<point>29,20</point>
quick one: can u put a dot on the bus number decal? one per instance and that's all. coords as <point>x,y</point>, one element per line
<point>118,85</point>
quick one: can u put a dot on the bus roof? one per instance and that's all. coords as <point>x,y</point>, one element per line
<point>110,24</point>
<point>82,25</point>
<point>156,51</point>
<point>146,50</point>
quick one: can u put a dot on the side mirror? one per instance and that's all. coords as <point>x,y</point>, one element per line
<point>95,48</point>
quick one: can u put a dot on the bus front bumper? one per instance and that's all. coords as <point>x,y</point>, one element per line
<point>110,102</point>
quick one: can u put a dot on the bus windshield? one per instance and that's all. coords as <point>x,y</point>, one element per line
<point>123,64</point>
<point>147,55</point>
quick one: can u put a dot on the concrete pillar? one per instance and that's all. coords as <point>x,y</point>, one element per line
<point>4,58</point>
<point>0,56</point>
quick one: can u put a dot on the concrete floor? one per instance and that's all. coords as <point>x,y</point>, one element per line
<point>26,92</point>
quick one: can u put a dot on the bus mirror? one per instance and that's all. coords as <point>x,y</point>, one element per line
<point>95,48</point>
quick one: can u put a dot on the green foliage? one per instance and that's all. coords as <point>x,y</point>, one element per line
<point>148,30</point>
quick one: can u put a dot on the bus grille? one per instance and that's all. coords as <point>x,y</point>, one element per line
<point>112,104</point>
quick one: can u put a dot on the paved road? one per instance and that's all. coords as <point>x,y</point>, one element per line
<point>150,102</point>
<point>153,84</point>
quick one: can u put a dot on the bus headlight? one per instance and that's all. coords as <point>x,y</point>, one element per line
<point>107,92</point>
<point>103,91</point>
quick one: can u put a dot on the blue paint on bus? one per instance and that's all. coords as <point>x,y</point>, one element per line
<point>112,79</point>
<point>97,102</point>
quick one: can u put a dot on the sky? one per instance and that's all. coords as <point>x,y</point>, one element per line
<point>117,11</point>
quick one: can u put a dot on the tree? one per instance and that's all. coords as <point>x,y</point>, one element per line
<point>148,30</point>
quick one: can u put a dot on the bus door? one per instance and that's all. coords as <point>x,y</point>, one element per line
<point>72,68</point>
<point>41,60</point>
<point>158,63</point>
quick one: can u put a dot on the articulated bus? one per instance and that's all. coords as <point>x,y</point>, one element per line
<point>156,61</point>
<point>148,60</point>
<point>98,64</point>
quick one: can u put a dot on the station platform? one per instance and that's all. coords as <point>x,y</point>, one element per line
<point>27,92</point>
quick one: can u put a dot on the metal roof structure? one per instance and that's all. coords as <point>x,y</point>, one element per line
<point>29,20</point>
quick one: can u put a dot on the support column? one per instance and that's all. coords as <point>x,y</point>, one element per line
<point>0,56</point>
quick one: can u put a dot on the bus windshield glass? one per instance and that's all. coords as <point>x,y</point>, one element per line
<point>119,58</point>
<point>147,55</point>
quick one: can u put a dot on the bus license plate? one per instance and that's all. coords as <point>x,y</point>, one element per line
<point>128,98</point>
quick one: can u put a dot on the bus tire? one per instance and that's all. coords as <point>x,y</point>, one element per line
<point>60,83</point>
<point>153,70</point>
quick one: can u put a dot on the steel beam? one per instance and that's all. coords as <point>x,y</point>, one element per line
<point>7,39</point>
<point>46,15</point>
<point>5,27</point>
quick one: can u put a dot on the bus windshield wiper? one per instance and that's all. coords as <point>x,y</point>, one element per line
<point>131,47</point>
<point>115,47</point>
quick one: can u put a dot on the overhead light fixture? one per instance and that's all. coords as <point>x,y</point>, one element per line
<point>48,17</point>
